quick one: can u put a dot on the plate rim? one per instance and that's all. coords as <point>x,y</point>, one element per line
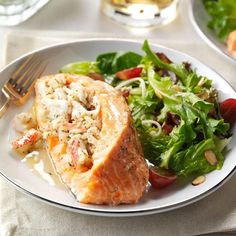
<point>123,213</point>
<point>128,40</point>
<point>114,213</point>
<point>204,36</point>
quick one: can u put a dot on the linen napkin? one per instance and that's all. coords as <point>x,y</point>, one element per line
<point>23,215</point>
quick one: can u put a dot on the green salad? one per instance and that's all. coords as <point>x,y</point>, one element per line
<point>223,17</point>
<point>175,111</point>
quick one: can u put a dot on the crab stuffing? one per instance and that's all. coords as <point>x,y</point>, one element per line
<point>71,113</point>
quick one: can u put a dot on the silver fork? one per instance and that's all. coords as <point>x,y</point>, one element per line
<point>19,86</point>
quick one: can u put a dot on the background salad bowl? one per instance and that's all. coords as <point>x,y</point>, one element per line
<point>39,182</point>
<point>200,19</point>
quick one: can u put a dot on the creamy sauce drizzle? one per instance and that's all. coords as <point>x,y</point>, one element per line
<point>39,163</point>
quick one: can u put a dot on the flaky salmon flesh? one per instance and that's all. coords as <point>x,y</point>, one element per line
<point>91,139</point>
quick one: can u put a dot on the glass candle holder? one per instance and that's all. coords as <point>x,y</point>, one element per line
<point>141,13</point>
<point>13,12</point>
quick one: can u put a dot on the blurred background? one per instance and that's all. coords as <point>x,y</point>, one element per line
<point>55,21</point>
<point>86,16</point>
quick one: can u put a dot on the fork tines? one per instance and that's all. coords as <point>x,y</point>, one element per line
<point>24,77</point>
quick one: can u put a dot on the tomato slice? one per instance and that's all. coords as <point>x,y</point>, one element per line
<point>129,73</point>
<point>167,128</point>
<point>161,178</point>
<point>228,110</point>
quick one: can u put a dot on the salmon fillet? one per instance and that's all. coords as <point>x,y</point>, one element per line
<point>90,139</point>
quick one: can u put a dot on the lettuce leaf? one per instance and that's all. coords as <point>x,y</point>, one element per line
<point>180,150</point>
<point>191,161</point>
<point>80,67</point>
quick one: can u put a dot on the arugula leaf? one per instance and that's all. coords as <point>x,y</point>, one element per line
<point>189,78</point>
<point>179,70</point>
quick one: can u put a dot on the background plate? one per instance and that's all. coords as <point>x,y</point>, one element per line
<point>179,194</point>
<point>200,18</point>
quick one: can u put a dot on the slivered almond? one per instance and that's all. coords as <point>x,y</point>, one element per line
<point>158,94</point>
<point>177,88</point>
<point>210,157</point>
<point>199,180</point>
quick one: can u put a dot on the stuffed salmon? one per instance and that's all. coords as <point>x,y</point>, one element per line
<point>90,139</point>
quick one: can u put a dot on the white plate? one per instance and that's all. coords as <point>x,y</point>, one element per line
<point>200,18</point>
<point>177,195</point>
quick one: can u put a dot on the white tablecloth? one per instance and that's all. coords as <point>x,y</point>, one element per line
<point>22,215</point>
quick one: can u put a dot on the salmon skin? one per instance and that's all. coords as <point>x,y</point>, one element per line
<point>91,139</point>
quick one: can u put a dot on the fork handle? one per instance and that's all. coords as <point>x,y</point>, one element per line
<point>4,107</point>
